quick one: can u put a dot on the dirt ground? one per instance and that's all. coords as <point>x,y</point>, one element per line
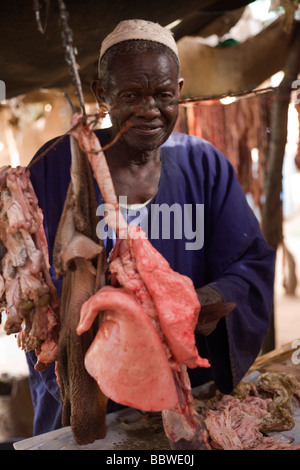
<point>287,308</point>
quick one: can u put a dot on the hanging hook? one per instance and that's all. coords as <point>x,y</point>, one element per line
<point>37,7</point>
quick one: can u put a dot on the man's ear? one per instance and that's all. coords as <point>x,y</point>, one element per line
<point>180,85</point>
<point>97,90</point>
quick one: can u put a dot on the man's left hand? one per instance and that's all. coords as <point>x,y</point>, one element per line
<point>213,308</point>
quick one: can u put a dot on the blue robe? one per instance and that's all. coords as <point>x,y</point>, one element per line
<point>214,238</point>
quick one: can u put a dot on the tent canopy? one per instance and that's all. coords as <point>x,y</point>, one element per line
<point>30,60</point>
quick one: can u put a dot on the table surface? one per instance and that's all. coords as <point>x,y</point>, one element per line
<point>131,429</point>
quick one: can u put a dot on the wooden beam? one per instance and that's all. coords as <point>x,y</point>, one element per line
<point>272,207</point>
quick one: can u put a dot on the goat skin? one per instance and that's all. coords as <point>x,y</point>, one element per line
<point>80,259</point>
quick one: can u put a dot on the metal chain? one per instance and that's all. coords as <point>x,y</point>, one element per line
<point>70,53</point>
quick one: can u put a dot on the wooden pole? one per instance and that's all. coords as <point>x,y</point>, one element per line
<point>272,207</point>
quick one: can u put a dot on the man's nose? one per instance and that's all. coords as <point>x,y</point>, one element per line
<point>147,108</point>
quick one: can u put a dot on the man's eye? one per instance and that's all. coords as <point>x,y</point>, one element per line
<point>128,96</point>
<point>165,96</point>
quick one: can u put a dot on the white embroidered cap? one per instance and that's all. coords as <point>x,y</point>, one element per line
<point>139,29</point>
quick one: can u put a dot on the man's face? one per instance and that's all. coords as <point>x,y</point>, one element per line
<point>143,90</point>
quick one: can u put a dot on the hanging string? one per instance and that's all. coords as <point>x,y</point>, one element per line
<point>195,100</point>
<point>70,53</point>
<point>59,139</point>
<point>246,93</point>
<point>186,101</point>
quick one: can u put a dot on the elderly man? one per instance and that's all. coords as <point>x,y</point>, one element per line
<point>207,230</point>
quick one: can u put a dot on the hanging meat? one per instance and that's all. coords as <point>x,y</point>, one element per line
<point>146,340</point>
<point>27,293</point>
<point>146,337</point>
<point>79,258</point>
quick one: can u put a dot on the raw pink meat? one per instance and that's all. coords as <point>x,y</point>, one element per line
<point>235,424</point>
<point>146,336</point>
<point>127,357</point>
<point>175,301</point>
<point>27,293</point>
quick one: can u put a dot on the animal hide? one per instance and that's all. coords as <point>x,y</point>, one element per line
<point>80,259</point>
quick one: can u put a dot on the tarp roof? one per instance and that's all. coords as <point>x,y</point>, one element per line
<point>30,60</point>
